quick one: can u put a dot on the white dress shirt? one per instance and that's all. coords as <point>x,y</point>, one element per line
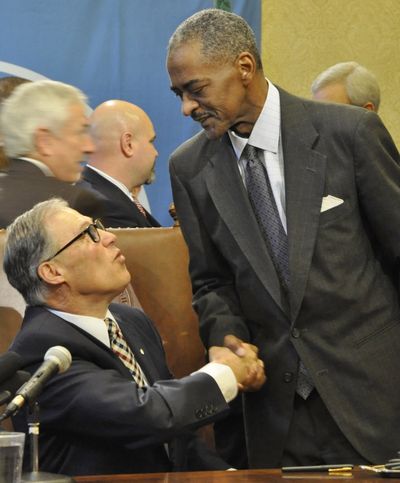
<point>266,135</point>
<point>43,167</point>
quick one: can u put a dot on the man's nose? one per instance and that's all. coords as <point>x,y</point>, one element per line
<point>107,238</point>
<point>188,105</point>
<point>88,145</point>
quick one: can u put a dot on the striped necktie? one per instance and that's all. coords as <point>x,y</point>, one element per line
<point>139,206</point>
<point>120,347</point>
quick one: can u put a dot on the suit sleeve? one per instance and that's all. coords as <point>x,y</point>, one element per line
<point>100,403</point>
<point>97,400</point>
<point>377,168</point>
<point>214,295</point>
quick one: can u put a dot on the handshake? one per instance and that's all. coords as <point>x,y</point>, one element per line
<point>243,359</point>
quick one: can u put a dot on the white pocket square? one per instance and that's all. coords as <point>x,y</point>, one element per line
<point>329,202</point>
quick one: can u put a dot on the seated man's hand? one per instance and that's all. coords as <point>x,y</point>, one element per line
<point>248,369</point>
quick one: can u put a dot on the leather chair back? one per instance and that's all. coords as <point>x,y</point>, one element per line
<point>157,259</point>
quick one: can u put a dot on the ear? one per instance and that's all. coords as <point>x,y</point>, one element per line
<point>247,67</point>
<point>126,142</point>
<point>43,141</point>
<point>50,273</point>
<point>369,105</point>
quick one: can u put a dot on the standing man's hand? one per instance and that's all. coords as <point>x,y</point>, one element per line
<point>257,376</point>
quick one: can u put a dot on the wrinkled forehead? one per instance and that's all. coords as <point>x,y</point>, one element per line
<point>65,223</point>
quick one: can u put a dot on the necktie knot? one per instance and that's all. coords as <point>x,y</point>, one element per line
<point>252,154</point>
<point>112,329</point>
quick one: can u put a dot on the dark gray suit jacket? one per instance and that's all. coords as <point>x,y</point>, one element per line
<point>344,315</point>
<point>24,184</point>
<point>94,420</point>
<point>120,211</point>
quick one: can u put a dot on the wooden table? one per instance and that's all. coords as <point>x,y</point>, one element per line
<point>244,476</point>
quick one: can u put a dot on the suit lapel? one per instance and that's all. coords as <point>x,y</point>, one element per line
<point>112,192</point>
<point>229,195</point>
<point>304,184</point>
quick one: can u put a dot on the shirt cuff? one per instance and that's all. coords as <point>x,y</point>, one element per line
<point>224,377</point>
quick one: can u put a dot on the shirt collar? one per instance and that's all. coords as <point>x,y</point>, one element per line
<point>94,326</point>
<point>266,131</point>
<point>112,180</point>
<point>39,164</point>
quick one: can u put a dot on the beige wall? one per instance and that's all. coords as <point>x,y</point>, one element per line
<point>301,38</point>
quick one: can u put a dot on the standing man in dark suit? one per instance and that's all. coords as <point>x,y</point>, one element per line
<point>44,130</point>
<point>115,407</point>
<point>317,292</point>
<point>123,161</point>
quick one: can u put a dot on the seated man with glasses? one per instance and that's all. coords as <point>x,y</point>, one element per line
<point>117,408</point>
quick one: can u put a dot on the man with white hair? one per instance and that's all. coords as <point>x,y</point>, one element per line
<point>122,162</point>
<point>347,83</point>
<point>44,129</point>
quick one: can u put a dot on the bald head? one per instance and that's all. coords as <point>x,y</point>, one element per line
<point>123,135</point>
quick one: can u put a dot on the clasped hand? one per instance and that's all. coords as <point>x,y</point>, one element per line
<point>243,359</point>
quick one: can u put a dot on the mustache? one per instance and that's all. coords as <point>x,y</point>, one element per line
<point>201,116</point>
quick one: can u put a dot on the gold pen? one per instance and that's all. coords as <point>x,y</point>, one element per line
<point>331,469</point>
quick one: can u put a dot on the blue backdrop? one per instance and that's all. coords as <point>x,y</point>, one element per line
<point>111,49</point>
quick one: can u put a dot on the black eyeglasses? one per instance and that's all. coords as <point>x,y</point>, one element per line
<point>92,230</point>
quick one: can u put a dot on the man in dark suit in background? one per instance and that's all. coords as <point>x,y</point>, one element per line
<point>317,292</point>
<point>44,129</point>
<point>123,161</point>
<point>106,415</point>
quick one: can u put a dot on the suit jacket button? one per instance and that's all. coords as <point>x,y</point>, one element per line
<point>288,376</point>
<point>295,333</point>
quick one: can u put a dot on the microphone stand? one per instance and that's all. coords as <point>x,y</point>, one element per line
<point>35,474</point>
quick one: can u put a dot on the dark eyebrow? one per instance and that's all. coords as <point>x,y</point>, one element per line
<point>186,86</point>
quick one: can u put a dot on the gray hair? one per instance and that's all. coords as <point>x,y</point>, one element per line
<point>28,244</point>
<point>361,84</point>
<point>223,35</point>
<point>32,105</point>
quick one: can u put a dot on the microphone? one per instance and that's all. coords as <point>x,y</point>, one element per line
<point>10,386</point>
<point>10,362</point>
<point>57,359</point>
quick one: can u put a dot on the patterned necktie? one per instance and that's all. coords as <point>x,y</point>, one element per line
<point>139,206</point>
<point>266,212</point>
<point>264,205</point>
<point>120,347</point>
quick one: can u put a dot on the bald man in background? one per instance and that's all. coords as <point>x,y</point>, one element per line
<point>123,161</point>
